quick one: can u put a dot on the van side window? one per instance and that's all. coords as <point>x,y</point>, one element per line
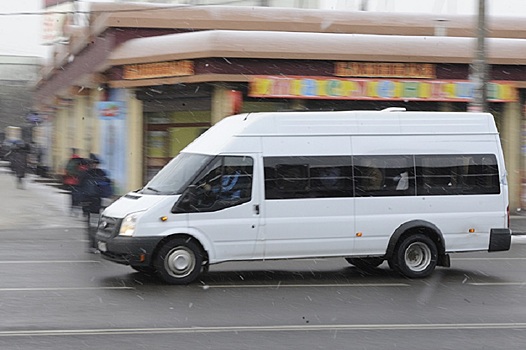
<point>225,182</point>
<point>305,177</point>
<point>380,176</point>
<point>384,175</point>
<point>457,174</point>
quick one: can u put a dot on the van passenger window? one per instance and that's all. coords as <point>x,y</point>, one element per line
<point>308,177</point>
<point>384,175</point>
<point>380,176</point>
<point>457,174</point>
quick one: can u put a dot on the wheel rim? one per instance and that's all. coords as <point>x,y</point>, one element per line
<point>417,256</point>
<point>179,262</point>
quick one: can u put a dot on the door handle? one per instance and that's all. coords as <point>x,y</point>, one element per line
<point>256,209</point>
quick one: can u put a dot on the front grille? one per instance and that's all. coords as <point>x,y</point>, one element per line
<point>108,226</point>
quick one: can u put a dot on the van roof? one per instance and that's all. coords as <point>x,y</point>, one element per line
<point>321,123</point>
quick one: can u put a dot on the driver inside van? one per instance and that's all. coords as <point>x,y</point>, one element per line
<point>230,184</point>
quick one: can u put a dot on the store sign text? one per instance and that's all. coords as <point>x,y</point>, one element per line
<point>385,70</point>
<point>158,70</point>
<point>376,89</point>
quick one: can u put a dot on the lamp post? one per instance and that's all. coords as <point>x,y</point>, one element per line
<point>478,74</point>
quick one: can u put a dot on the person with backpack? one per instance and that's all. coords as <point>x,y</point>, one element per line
<point>94,184</point>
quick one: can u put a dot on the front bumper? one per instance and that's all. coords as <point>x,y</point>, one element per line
<point>136,251</point>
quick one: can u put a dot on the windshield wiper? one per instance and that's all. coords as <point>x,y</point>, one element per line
<point>153,189</point>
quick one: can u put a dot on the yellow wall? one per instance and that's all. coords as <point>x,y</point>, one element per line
<point>135,155</point>
<point>59,140</point>
<point>221,106</point>
<point>93,130</point>
<point>181,137</point>
<point>79,123</point>
<point>510,135</point>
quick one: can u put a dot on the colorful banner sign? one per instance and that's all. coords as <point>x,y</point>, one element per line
<point>375,89</point>
<point>112,121</point>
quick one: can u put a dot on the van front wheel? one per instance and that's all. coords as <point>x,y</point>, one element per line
<point>179,261</point>
<point>415,257</point>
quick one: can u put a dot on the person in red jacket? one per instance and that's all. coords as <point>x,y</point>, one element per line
<point>75,166</point>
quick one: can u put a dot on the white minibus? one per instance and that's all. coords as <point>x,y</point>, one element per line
<point>408,188</point>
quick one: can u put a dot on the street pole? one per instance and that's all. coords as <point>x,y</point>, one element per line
<point>478,74</point>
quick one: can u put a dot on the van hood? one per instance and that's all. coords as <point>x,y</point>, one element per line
<point>134,202</point>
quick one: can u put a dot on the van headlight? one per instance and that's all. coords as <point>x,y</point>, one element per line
<point>128,224</point>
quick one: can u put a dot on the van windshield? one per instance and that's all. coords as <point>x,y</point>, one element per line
<point>177,174</point>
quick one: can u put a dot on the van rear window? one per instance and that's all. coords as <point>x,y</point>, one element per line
<point>457,175</point>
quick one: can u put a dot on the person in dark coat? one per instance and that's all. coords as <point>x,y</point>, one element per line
<point>18,158</point>
<point>91,197</point>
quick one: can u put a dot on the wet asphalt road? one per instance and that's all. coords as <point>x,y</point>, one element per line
<point>55,295</point>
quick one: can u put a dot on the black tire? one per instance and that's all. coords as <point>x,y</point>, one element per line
<point>365,264</point>
<point>148,270</point>
<point>179,261</point>
<point>415,256</point>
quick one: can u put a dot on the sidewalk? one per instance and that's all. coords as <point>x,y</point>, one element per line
<point>37,205</point>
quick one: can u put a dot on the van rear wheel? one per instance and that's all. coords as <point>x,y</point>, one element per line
<point>365,264</point>
<point>179,261</point>
<point>415,256</point>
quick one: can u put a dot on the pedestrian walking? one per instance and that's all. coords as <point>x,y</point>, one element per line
<point>18,158</point>
<point>94,184</point>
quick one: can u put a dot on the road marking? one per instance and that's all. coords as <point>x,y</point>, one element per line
<point>466,259</point>
<point>278,286</point>
<point>497,283</point>
<point>350,285</point>
<point>45,289</point>
<point>48,261</point>
<point>279,328</point>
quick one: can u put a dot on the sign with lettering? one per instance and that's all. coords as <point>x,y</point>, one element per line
<point>158,70</point>
<point>376,89</point>
<point>385,70</point>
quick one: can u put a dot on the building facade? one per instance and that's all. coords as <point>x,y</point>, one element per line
<point>139,84</point>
